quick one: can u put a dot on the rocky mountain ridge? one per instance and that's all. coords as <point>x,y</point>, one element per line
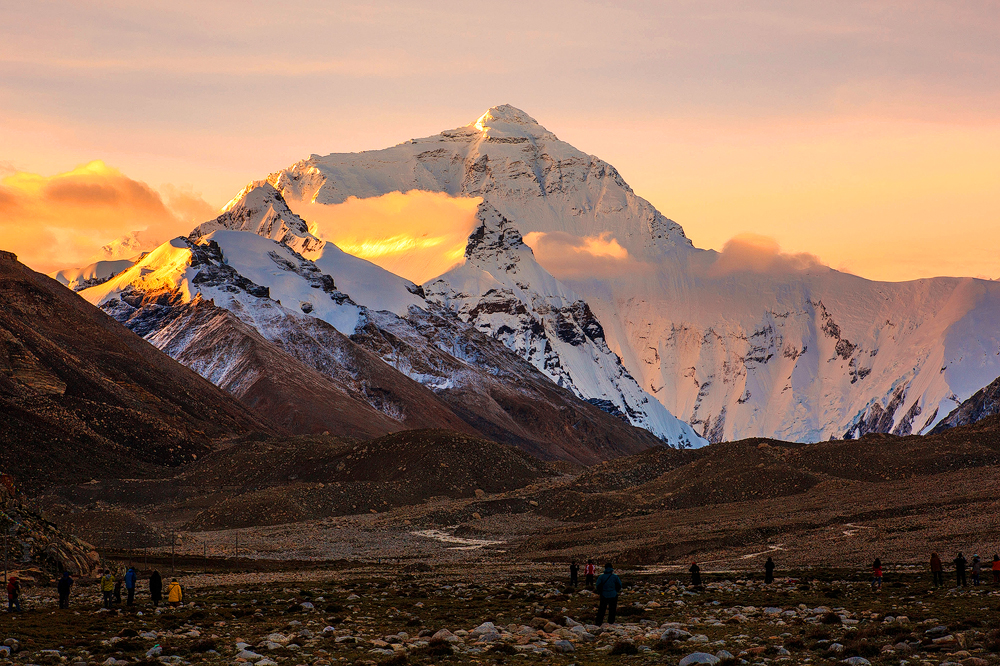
<point>446,374</point>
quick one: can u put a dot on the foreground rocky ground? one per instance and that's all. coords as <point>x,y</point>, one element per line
<point>492,613</point>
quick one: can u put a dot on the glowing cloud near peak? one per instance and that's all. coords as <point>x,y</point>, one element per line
<point>417,235</point>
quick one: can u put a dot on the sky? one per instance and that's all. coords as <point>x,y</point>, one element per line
<point>862,133</point>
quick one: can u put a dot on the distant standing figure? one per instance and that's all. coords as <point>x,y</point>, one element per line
<point>175,596</point>
<point>977,568</point>
<point>130,586</point>
<point>608,586</point>
<point>13,594</point>
<point>877,575</point>
<point>769,571</point>
<point>937,570</point>
<point>589,572</point>
<point>695,574</point>
<point>960,563</point>
<point>574,574</point>
<point>65,583</point>
<point>996,569</point>
<point>156,588</point>
<point>107,587</point>
<point>118,591</point>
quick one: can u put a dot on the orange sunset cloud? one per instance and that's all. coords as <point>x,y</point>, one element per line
<point>59,221</point>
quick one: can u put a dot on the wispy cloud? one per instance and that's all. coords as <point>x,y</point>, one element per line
<point>567,256</point>
<point>752,253</point>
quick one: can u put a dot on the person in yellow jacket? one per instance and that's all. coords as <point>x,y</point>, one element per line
<point>107,587</point>
<point>175,595</point>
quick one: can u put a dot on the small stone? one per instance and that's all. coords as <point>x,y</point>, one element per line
<point>856,661</point>
<point>154,651</point>
<point>699,658</point>
<point>674,634</point>
<point>563,646</point>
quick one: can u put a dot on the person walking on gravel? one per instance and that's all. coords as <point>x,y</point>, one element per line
<point>769,571</point>
<point>107,587</point>
<point>589,572</point>
<point>977,569</point>
<point>574,574</point>
<point>877,575</point>
<point>156,588</point>
<point>996,569</point>
<point>937,570</point>
<point>960,563</point>
<point>175,596</point>
<point>65,583</point>
<point>608,586</point>
<point>695,574</point>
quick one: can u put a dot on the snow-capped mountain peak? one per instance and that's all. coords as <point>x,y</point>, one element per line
<point>509,122</point>
<point>509,160</point>
<point>261,209</point>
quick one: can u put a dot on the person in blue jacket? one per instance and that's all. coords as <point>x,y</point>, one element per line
<point>608,585</point>
<point>130,585</point>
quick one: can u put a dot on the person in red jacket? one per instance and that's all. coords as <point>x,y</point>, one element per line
<point>877,575</point>
<point>13,594</point>
<point>589,572</point>
<point>996,569</point>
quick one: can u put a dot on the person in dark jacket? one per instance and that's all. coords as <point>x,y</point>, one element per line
<point>937,570</point>
<point>130,579</point>
<point>608,586</point>
<point>574,574</point>
<point>695,574</point>
<point>13,594</point>
<point>155,588</point>
<point>769,571</point>
<point>64,584</point>
<point>960,563</point>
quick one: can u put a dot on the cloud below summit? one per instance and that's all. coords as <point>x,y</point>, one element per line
<point>567,256</point>
<point>759,254</point>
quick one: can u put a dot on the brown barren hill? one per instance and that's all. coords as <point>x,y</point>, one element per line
<point>82,397</point>
<point>827,500</point>
<point>305,478</point>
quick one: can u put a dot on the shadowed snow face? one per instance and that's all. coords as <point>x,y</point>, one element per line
<point>417,235</point>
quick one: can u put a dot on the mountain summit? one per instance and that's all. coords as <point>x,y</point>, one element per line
<point>508,122</point>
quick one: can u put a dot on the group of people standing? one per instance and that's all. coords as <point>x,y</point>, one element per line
<point>961,566</point>
<point>110,587</point>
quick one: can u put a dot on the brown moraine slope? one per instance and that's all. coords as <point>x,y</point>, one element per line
<point>82,397</point>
